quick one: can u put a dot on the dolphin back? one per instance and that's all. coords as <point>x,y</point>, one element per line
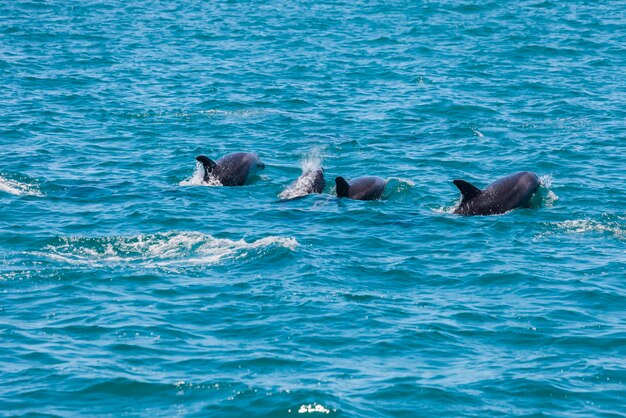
<point>510,192</point>
<point>236,169</point>
<point>361,188</point>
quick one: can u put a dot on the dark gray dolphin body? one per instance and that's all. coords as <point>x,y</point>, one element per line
<point>361,188</point>
<point>232,169</point>
<point>510,192</point>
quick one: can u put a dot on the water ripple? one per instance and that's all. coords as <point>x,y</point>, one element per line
<point>127,290</point>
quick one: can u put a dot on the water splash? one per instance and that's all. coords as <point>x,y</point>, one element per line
<point>159,250</point>
<point>197,178</point>
<point>309,164</point>
<point>17,188</point>
<point>544,197</point>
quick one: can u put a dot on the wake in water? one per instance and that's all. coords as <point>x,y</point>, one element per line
<point>587,225</point>
<point>608,225</point>
<point>194,114</point>
<point>197,178</point>
<point>160,250</point>
<point>311,164</point>
<point>18,188</point>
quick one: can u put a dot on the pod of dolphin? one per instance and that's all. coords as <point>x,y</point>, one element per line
<point>508,193</point>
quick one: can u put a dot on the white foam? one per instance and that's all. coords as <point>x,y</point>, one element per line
<point>477,133</point>
<point>19,189</point>
<point>581,226</point>
<point>159,250</point>
<point>312,408</point>
<point>309,164</point>
<point>197,178</point>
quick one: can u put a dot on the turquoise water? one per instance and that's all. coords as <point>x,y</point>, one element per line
<point>129,287</point>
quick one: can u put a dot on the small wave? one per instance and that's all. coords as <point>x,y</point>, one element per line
<point>309,164</point>
<point>17,188</point>
<point>241,112</point>
<point>397,187</point>
<point>477,133</point>
<point>159,250</point>
<point>447,210</point>
<point>197,178</point>
<point>195,114</point>
<point>545,196</point>
<point>401,182</point>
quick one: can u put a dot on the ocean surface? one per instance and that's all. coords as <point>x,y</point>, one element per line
<point>129,286</point>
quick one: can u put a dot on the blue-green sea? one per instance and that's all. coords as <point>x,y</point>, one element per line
<point>131,287</point>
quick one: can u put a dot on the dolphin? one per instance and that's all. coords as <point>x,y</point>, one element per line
<point>510,192</point>
<point>361,188</point>
<point>311,181</point>
<point>232,169</point>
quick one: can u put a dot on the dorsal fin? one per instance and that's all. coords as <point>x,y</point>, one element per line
<point>342,187</point>
<point>468,190</point>
<point>208,165</point>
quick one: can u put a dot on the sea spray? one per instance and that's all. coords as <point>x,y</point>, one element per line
<point>197,178</point>
<point>545,196</point>
<point>310,165</point>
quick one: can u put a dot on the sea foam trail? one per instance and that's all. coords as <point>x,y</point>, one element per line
<point>310,164</point>
<point>17,188</point>
<point>197,178</point>
<point>159,250</point>
<point>581,226</point>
